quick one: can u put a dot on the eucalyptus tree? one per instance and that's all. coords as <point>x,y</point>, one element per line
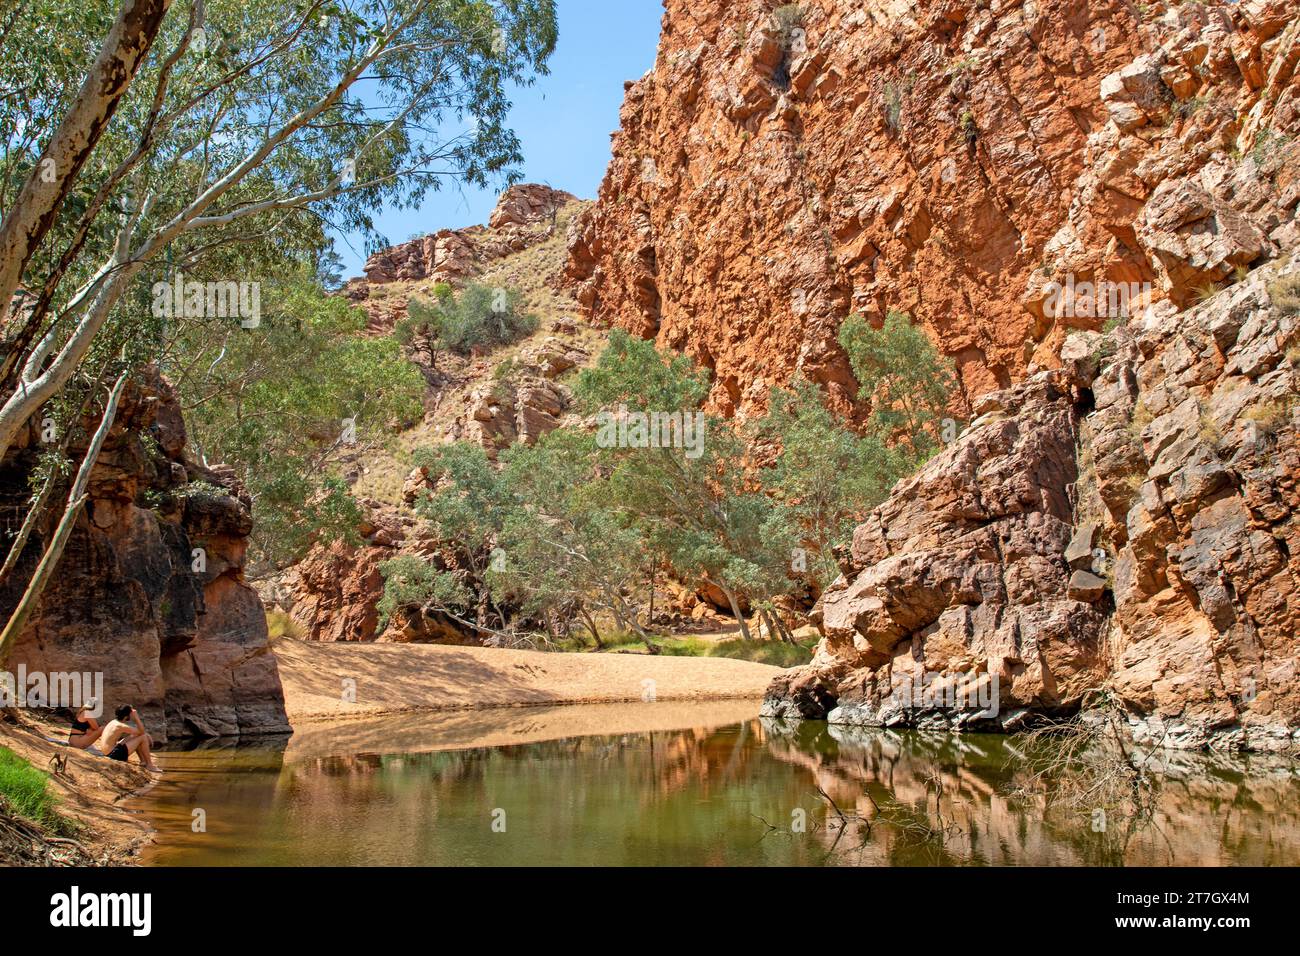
<point>909,383</point>
<point>240,119</point>
<point>698,506</point>
<point>565,550</point>
<point>825,477</point>
<point>142,139</point>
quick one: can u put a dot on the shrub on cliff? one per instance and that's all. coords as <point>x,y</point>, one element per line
<point>907,381</point>
<point>480,316</point>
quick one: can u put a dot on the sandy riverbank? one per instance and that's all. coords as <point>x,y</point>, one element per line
<point>391,678</point>
<point>89,789</point>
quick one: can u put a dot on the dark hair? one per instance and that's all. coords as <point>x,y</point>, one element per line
<point>123,712</point>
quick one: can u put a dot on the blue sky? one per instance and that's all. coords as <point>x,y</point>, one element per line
<point>563,120</point>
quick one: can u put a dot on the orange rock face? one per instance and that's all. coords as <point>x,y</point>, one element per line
<point>1130,523</point>
<point>949,159</point>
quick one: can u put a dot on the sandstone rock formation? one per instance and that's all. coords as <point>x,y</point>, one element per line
<point>524,215</point>
<point>150,589</point>
<point>949,158</point>
<point>1129,524</point>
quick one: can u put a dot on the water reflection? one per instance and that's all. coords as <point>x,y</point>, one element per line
<point>753,792</point>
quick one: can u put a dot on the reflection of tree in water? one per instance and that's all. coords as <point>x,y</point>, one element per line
<point>728,796</point>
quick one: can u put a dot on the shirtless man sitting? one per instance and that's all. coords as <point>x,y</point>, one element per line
<point>120,739</point>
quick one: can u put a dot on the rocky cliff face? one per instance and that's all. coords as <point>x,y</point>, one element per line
<point>1129,523</point>
<point>777,169</point>
<point>522,217</point>
<point>150,590</point>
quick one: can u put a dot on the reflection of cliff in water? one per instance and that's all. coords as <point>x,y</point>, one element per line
<point>748,793</point>
<point>943,798</point>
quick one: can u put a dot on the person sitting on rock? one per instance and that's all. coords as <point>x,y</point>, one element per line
<point>85,728</point>
<point>120,739</point>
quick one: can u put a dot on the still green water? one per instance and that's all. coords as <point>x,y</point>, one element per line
<point>752,792</point>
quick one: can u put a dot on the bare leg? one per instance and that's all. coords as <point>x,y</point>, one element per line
<point>139,745</point>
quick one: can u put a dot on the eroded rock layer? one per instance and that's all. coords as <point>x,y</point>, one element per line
<point>779,168</point>
<point>150,590</point>
<point>1127,525</point>
<point>522,217</point>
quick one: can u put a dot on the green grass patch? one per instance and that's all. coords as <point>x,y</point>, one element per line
<point>776,653</point>
<point>26,792</point>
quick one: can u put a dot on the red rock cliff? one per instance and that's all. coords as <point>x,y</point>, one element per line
<point>184,642</point>
<point>777,169</point>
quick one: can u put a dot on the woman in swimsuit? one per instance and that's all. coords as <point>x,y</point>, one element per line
<point>85,729</point>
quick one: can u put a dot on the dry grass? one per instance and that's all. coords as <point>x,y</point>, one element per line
<point>1089,768</point>
<point>1208,429</point>
<point>279,625</point>
<point>1285,292</point>
<point>1269,416</point>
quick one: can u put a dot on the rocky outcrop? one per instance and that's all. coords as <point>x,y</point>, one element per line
<point>954,159</point>
<point>1127,524</point>
<point>524,215</point>
<point>524,405</point>
<point>150,590</point>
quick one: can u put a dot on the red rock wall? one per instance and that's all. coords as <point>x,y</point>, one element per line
<point>944,157</point>
<point>1129,523</point>
<point>188,649</point>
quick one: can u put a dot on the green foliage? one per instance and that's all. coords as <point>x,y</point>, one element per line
<point>203,170</point>
<point>480,317</point>
<point>581,524</point>
<point>467,512</point>
<point>907,381</point>
<point>564,545</point>
<point>1268,144</point>
<point>825,478</point>
<point>699,510</point>
<point>472,506</point>
<point>26,792</point>
<point>278,403</point>
<point>634,373</point>
<point>412,582</point>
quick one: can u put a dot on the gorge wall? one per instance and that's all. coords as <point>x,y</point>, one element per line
<point>781,166</point>
<point>1127,525</point>
<point>1120,515</point>
<point>175,631</point>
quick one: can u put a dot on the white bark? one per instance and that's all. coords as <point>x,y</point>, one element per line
<point>54,550</point>
<point>59,165</point>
